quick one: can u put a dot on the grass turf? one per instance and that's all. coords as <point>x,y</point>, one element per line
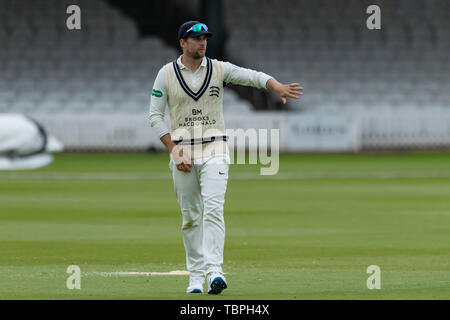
<point>295,237</point>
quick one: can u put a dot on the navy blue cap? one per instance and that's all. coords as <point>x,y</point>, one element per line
<point>191,34</point>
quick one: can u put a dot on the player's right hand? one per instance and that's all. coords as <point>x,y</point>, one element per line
<point>182,161</point>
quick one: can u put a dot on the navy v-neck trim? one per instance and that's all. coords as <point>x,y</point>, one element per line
<point>194,95</point>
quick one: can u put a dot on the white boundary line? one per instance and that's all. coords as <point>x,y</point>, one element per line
<point>134,273</point>
<point>137,273</point>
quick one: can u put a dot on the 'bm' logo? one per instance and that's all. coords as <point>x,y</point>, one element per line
<point>214,91</point>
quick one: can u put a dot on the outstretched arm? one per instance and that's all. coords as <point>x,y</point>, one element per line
<point>247,77</point>
<point>292,90</point>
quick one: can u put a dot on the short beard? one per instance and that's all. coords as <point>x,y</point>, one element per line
<point>194,55</point>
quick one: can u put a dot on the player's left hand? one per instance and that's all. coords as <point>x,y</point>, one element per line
<point>292,90</point>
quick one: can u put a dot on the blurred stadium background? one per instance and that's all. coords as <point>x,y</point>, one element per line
<point>364,89</point>
<point>309,232</point>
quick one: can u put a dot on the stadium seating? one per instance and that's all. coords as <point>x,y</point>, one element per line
<point>105,67</point>
<point>323,44</point>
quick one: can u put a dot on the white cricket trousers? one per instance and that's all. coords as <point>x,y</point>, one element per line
<point>201,196</point>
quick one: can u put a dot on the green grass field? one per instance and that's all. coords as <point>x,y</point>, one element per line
<point>308,233</point>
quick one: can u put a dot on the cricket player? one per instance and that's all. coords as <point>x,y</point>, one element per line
<point>192,87</point>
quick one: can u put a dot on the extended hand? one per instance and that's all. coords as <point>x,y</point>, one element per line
<point>292,90</point>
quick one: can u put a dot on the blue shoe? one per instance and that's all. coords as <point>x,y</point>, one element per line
<point>195,291</point>
<point>216,283</point>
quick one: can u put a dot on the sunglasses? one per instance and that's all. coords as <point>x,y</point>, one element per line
<point>196,28</point>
